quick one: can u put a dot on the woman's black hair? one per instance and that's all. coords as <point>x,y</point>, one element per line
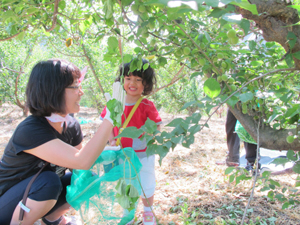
<point>148,75</point>
<point>45,91</point>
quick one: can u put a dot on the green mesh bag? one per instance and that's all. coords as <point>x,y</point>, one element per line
<point>107,196</point>
<point>243,134</point>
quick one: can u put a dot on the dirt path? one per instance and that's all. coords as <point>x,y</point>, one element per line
<point>191,188</point>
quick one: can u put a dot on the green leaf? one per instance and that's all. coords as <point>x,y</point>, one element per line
<point>212,3</point>
<point>121,186</point>
<point>165,134</point>
<point>116,111</point>
<point>8,14</point>
<point>195,74</point>
<point>256,63</point>
<point>292,39</point>
<point>291,155</point>
<point>246,5</point>
<point>112,42</point>
<point>21,36</point>
<point>280,197</point>
<point>124,201</point>
<point>270,195</point>
<point>178,130</point>
<point>296,168</point>
<point>62,5</point>
<point>273,117</point>
<point>127,190</point>
<point>188,104</point>
<point>289,60</point>
<point>229,170</point>
<point>273,182</point>
<point>162,61</point>
<point>133,192</point>
<point>212,88</point>
<point>32,10</point>
<point>245,97</point>
<point>207,37</point>
<point>280,161</point>
<point>245,25</point>
<point>297,55</point>
<point>177,140</point>
<point>127,58</point>
<point>293,111</point>
<point>161,150</point>
<point>130,132</point>
<point>150,126</point>
<point>168,144</point>
<point>145,66</point>
<point>108,8</point>
<point>285,205</point>
<point>239,178</point>
<point>286,97</point>
<point>159,139</point>
<point>252,45</point>
<point>138,50</point>
<point>126,2</point>
<point>188,140</point>
<point>175,122</point>
<point>231,178</point>
<point>82,28</point>
<point>194,129</point>
<point>216,13</point>
<point>195,118</point>
<point>266,188</point>
<point>232,101</point>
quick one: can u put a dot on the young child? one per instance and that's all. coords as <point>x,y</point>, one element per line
<point>136,84</point>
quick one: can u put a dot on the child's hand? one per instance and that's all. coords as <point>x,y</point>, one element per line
<point>118,94</point>
<point>116,105</point>
<point>113,142</point>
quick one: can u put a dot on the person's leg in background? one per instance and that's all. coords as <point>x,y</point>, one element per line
<point>233,141</point>
<point>251,150</point>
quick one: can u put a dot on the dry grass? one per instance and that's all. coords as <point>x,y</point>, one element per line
<point>189,183</point>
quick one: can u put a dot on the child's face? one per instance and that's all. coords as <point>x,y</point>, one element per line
<point>133,85</point>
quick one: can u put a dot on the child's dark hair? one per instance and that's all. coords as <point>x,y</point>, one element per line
<point>148,75</point>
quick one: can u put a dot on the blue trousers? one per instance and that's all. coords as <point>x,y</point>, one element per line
<point>47,186</point>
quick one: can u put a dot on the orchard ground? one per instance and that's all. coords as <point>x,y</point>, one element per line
<point>191,188</point>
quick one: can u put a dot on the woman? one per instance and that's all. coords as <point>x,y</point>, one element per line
<point>48,136</point>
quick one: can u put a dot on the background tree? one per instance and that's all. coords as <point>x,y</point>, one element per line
<point>246,52</point>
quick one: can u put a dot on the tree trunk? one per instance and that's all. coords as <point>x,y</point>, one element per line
<point>275,20</point>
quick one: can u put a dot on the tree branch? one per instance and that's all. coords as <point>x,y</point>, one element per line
<point>54,17</point>
<point>93,70</point>
<point>174,80</point>
<point>63,52</point>
<point>275,20</point>
<point>11,37</point>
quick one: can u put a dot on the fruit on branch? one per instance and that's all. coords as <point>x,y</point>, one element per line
<point>231,34</point>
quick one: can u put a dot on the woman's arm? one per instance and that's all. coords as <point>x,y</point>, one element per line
<point>63,154</point>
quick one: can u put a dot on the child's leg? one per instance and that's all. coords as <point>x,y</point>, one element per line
<point>148,202</point>
<point>148,182</point>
